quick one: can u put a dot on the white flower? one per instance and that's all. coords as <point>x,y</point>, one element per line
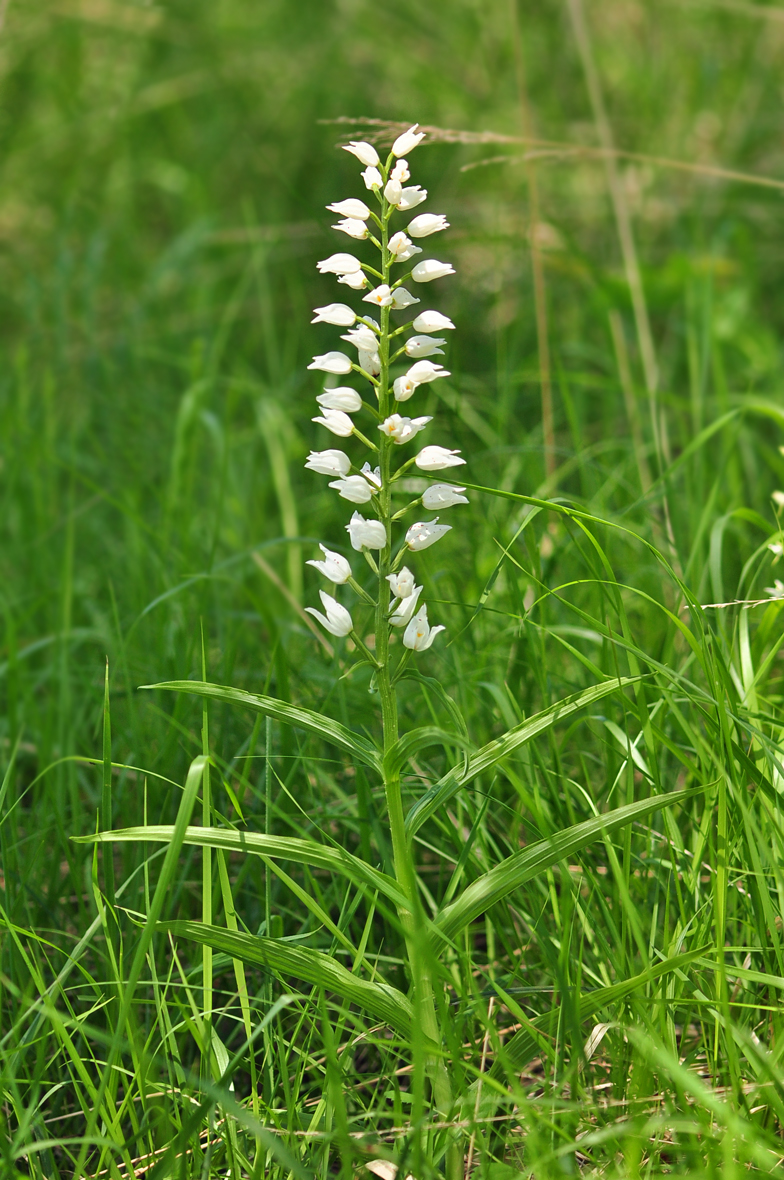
<point>419,634</point>
<point>423,371</point>
<point>339,264</point>
<point>353,227</point>
<point>401,172</point>
<point>401,298</point>
<point>369,362</point>
<point>335,568</point>
<point>328,462</point>
<point>332,362</point>
<point>336,421</point>
<point>366,534</point>
<point>404,388</point>
<point>353,488</point>
<point>372,178</point>
<point>429,269</point>
<point>350,208</point>
<point>776,548</point>
<point>362,337</point>
<point>393,191</point>
<point>407,141</point>
<point>424,346</point>
<point>776,590</point>
<point>425,533</point>
<point>381,296</point>
<point>426,224</point>
<point>402,430</point>
<point>437,459</point>
<point>372,476</point>
<point>431,321</point>
<point>402,612</point>
<point>365,152</point>
<point>341,398</point>
<point>357,281</point>
<point>412,197</point>
<point>402,584</point>
<point>338,620</point>
<point>339,314</point>
<point>778,499</point>
<point>442,495</point>
<point>402,247</point>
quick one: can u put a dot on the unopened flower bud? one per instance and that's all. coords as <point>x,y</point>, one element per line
<point>366,534</point>
<point>442,495</point>
<point>437,459</point>
<point>431,321</point>
<point>339,314</point>
<point>337,621</point>
<point>342,398</point>
<point>365,152</point>
<point>353,227</point>
<point>332,362</point>
<point>353,488</point>
<point>334,567</point>
<point>411,197</point>
<point>426,224</point>
<point>425,533</point>
<point>328,462</point>
<point>424,346</point>
<point>407,141</point>
<point>393,191</point>
<point>373,179</point>
<point>336,421</point>
<point>429,269</point>
<point>350,208</point>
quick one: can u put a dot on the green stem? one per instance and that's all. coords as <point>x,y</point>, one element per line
<point>413,928</point>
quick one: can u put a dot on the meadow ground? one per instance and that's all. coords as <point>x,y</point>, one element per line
<point>609,1002</point>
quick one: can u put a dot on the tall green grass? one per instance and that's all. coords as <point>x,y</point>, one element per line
<point>616,1012</point>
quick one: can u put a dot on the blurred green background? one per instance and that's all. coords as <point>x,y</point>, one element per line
<point>163,175</point>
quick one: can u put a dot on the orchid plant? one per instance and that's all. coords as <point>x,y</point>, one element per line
<point>382,347</point>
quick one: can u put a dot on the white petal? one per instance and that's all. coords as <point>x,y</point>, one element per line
<point>339,314</point>
<point>337,422</point>
<point>365,152</point>
<point>426,224</point>
<point>350,208</point>
<point>406,142</point>
<point>329,462</point>
<point>442,495</point>
<point>341,398</point>
<point>339,264</point>
<point>437,459</point>
<point>431,321</point>
<point>332,362</point>
<point>431,268</point>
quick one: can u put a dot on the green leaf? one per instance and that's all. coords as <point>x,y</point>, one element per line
<point>442,791</point>
<point>417,739</point>
<point>307,852</point>
<point>513,872</point>
<point>325,727</point>
<point>523,1046</point>
<point>378,999</point>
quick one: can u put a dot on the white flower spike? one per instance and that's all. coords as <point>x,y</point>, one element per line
<point>437,459</point>
<point>342,398</point>
<point>353,488</point>
<point>429,269</point>
<point>419,635</point>
<point>334,567</point>
<point>353,227</point>
<point>366,534</point>
<point>425,533</point>
<point>424,346</point>
<point>337,422</point>
<point>442,495</point>
<point>365,152</point>
<point>373,179</point>
<point>339,314</point>
<point>402,430</point>
<point>382,296</point>
<point>401,615</point>
<point>337,621</point>
<point>402,584</point>
<point>332,362</point>
<point>401,299</point>
<point>431,321</point>
<point>406,142</point>
<point>404,388</point>
<point>328,462</point>
<point>424,371</point>
<point>411,197</point>
<point>426,224</point>
<point>357,281</point>
<point>350,208</point>
<point>402,247</point>
<point>339,264</point>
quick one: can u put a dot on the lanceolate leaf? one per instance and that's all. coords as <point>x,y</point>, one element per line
<point>494,751</point>
<point>307,852</point>
<point>378,999</point>
<point>411,743</point>
<point>513,872</point>
<point>523,1045</point>
<point>325,727</point>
